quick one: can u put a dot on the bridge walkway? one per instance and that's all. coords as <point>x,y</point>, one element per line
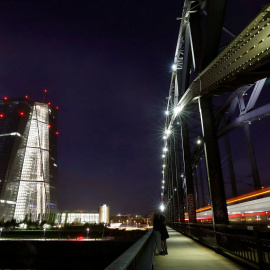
<point>185,253</point>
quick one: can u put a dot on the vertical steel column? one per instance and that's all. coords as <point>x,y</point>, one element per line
<point>176,194</point>
<point>231,168</point>
<point>180,180</point>
<point>202,186</point>
<point>197,198</point>
<point>255,172</point>
<point>188,171</point>
<point>214,24</point>
<point>213,164</point>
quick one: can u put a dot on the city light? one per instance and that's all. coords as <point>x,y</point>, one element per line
<point>5,98</point>
<point>167,112</point>
<point>26,96</point>
<point>163,165</point>
<point>163,156</point>
<point>165,149</point>
<point>164,137</point>
<point>177,109</point>
<point>162,207</point>
<point>199,141</point>
<point>174,67</point>
<point>1,115</point>
<point>168,132</point>
<point>22,113</point>
<point>163,181</point>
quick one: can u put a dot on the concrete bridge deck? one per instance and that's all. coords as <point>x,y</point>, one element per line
<point>185,253</point>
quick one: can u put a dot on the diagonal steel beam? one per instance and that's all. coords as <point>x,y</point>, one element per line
<point>244,61</point>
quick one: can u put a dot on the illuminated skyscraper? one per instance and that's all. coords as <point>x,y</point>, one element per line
<point>28,159</point>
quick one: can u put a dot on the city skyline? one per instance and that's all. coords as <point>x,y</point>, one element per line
<point>107,66</point>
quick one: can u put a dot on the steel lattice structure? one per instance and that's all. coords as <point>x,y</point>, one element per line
<point>199,74</point>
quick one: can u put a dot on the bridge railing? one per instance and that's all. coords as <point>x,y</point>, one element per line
<point>245,242</point>
<point>140,256</point>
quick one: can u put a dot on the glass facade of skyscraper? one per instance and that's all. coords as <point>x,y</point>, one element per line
<point>28,159</point>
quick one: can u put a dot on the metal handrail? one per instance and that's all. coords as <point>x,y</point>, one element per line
<point>139,256</point>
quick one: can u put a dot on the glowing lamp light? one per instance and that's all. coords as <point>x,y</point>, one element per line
<point>163,181</point>
<point>49,103</point>
<point>45,91</point>
<point>26,96</point>
<point>165,149</point>
<point>199,141</point>
<point>1,115</point>
<point>162,187</point>
<point>167,112</point>
<point>174,67</point>
<point>50,126</point>
<point>5,98</point>
<point>177,109</point>
<point>22,113</point>
<point>57,133</point>
<point>164,137</point>
<point>162,207</point>
<point>163,156</point>
<point>168,132</point>
<point>163,165</point>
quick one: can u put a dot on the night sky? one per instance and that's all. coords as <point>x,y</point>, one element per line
<point>106,64</point>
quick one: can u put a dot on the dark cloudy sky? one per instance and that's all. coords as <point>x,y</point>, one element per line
<point>106,65</point>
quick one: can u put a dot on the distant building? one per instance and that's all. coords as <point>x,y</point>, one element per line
<point>28,159</point>
<point>104,214</point>
<point>82,217</point>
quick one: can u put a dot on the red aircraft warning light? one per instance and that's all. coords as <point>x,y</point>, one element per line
<point>22,113</point>
<point>57,108</point>
<point>5,98</point>
<point>1,115</point>
<point>50,126</point>
<point>49,103</point>
<point>26,96</point>
<point>56,132</point>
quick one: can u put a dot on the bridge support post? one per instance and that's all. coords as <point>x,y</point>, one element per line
<point>231,168</point>
<point>188,171</point>
<point>180,190</point>
<point>255,173</point>
<point>213,164</point>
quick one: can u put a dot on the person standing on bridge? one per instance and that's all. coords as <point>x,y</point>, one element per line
<point>164,235</point>
<point>156,227</point>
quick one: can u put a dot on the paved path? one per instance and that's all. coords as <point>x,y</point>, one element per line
<point>185,253</point>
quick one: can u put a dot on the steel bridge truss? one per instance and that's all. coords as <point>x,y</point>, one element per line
<point>236,76</point>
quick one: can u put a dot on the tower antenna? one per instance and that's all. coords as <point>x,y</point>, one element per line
<point>44,96</point>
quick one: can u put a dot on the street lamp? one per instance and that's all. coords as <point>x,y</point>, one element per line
<point>44,231</point>
<point>87,233</point>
